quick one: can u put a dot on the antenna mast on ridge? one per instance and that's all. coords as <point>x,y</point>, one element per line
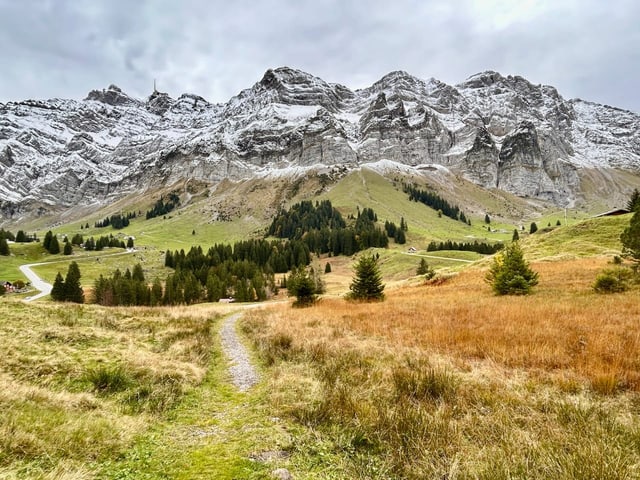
<point>154,86</point>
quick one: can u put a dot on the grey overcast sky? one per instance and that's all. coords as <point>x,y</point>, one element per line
<point>215,48</point>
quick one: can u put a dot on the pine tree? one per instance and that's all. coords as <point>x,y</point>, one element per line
<point>634,201</point>
<point>46,243</point>
<point>72,289</point>
<point>68,249</point>
<point>515,236</point>
<point>156,293</point>
<point>327,268</point>
<point>54,246</point>
<point>630,237</point>
<point>57,292</point>
<point>302,286</point>
<point>21,237</point>
<point>558,223</point>
<point>4,247</point>
<point>425,269</point>
<point>367,284</point>
<point>138,274</point>
<point>130,242</point>
<point>487,219</point>
<point>533,228</point>
<point>400,237</point>
<point>510,274</point>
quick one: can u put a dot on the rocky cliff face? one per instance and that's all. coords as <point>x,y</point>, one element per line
<point>499,132</point>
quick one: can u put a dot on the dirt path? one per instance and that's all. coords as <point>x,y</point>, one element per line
<point>438,258</point>
<point>243,373</point>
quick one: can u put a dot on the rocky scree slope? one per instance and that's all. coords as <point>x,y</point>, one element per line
<point>496,131</point>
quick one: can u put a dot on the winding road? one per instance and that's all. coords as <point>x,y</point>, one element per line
<point>44,287</point>
<point>36,281</point>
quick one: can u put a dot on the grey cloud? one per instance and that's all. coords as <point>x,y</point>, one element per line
<point>217,48</point>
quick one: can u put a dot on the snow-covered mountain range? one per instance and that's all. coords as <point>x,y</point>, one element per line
<point>496,131</point>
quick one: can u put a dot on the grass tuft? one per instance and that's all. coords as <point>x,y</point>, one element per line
<point>108,378</point>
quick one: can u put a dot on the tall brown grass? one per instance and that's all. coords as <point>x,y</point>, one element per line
<point>450,381</point>
<point>564,327</point>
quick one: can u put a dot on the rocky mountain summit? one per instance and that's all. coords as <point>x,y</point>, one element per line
<point>496,131</point>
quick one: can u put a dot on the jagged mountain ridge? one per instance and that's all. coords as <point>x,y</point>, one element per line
<point>499,132</point>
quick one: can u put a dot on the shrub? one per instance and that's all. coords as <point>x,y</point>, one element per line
<point>425,269</point>
<point>613,280</point>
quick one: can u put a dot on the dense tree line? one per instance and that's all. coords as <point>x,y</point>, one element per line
<point>244,270</point>
<point>323,229</point>
<point>130,288</point>
<point>117,221</point>
<point>24,237</point>
<point>478,247</point>
<point>395,232</point>
<point>77,239</point>
<point>435,201</point>
<point>304,217</point>
<point>7,235</point>
<point>106,241</point>
<point>162,207</point>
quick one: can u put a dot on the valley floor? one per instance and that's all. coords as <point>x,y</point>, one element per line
<point>438,381</point>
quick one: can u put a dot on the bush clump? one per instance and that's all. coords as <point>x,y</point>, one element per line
<point>614,280</point>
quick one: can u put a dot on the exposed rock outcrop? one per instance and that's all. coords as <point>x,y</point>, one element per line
<point>497,131</point>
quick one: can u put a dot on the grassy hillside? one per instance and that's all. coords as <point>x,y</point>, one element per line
<point>198,222</point>
<point>89,392</point>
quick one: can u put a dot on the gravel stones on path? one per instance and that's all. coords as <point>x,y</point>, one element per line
<point>243,373</point>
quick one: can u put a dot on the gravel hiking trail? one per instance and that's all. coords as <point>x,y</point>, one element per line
<point>243,374</point>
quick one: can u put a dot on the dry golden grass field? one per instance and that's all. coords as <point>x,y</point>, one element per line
<point>450,381</point>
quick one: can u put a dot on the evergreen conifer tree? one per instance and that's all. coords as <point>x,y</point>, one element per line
<point>510,274</point>
<point>327,268</point>
<point>46,243</point>
<point>4,247</point>
<point>156,293</point>
<point>130,242</point>
<point>533,228</point>
<point>138,274</point>
<point>516,235</point>
<point>72,289</point>
<point>21,237</point>
<point>558,223</point>
<point>57,292</point>
<point>487,219</point>
<point>400,237</point>
<point>68,249</point>
<point>367,284</point>
<point>302,286</point>
<point>630,237</point>
<point>54,245</point>
<point>425,269</point>
<point>634,201</point>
